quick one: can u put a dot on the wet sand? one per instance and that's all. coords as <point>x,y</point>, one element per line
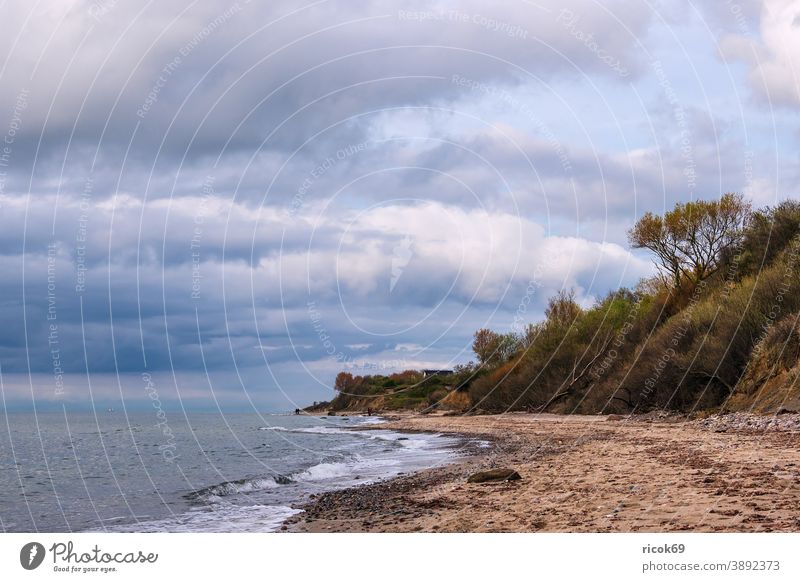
<point>583,474</point>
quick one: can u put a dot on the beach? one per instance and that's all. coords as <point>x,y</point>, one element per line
<point>735,473</point>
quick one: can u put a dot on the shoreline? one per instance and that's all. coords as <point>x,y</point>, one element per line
<point>584,474</point>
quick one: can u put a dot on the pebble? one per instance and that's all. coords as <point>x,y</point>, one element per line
<point>744,421</point>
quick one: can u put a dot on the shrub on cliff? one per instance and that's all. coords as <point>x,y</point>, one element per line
<point>769,233</point>
<point>564,358</point>
<point>682,340</point>
<point>699,355</point>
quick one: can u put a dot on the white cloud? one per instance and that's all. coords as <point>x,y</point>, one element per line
<point>466,255</point>
<point>774,59</point>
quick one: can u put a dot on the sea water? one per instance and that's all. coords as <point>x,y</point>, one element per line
<point>115,471</point>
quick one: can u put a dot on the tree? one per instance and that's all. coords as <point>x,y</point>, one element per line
<point>344,382</point>
<point>562,309</point>
<point>493,348</point>
<point>486,344</point>
<point>690,240</point>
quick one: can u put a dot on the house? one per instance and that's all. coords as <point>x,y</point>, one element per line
<point>429,373</point>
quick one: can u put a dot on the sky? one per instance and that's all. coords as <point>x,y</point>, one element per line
<point>226,203</point>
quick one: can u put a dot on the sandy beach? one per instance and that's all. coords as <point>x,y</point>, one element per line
<point>585,474</point>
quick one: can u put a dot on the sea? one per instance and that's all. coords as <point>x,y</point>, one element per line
<point>194,472</point>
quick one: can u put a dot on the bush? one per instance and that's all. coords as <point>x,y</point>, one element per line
<point>769,233</point>
<point>665,345</point>
<point>435,397</point>
<point>699,355</point>
<point>563,358</point>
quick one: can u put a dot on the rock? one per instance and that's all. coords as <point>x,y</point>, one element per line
<point>784,410</point>
<point>494,475</point>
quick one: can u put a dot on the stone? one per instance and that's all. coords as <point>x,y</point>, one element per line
<point>494,475</point>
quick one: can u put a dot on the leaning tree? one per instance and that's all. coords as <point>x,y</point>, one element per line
<point>690,240</point>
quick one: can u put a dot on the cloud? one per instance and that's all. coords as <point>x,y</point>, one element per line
<point>174,79</point>
<point>194,294</point>
<point>258,195</point>
<point>772,56</point>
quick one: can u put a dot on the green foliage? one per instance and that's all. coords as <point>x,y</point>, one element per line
<point>696,359</point>
<point>682,343</point>
<point>493,348</point>
<point>769,233</point>
<point>562,310</point>
<point>563,358</point>
<point>465,374</point>
<point>403,390</point>
<point>690,241</point>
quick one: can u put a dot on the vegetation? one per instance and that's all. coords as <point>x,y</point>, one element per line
<point>719,327</point>
<point>682,341</point>
<point>408,390</point>
<point>690,241</point>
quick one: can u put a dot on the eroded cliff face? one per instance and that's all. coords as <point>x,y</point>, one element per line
<point>771,382</point>
<point>441,399</point>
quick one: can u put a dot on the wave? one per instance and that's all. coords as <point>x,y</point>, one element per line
<point>323,430</point>
<point>414,441</point>
<point>315,430</point>
<point>227,519</point>
<point>359,470</point>
<point>344,472</point>
<point>360,421</point>
<point>324,471</point>
<point>311,429</point>
<point>238,486</point>
<point>371,420</point>
<point>348,463</point>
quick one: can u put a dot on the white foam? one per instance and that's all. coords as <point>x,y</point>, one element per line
<point>223,509</point>
<point>322,430</point>
<point>371,420</point>
<point>358,470</point>
<point>407,440</point>
<point>219,518</point>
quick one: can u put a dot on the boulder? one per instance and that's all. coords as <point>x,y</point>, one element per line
<point>494,475</point>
